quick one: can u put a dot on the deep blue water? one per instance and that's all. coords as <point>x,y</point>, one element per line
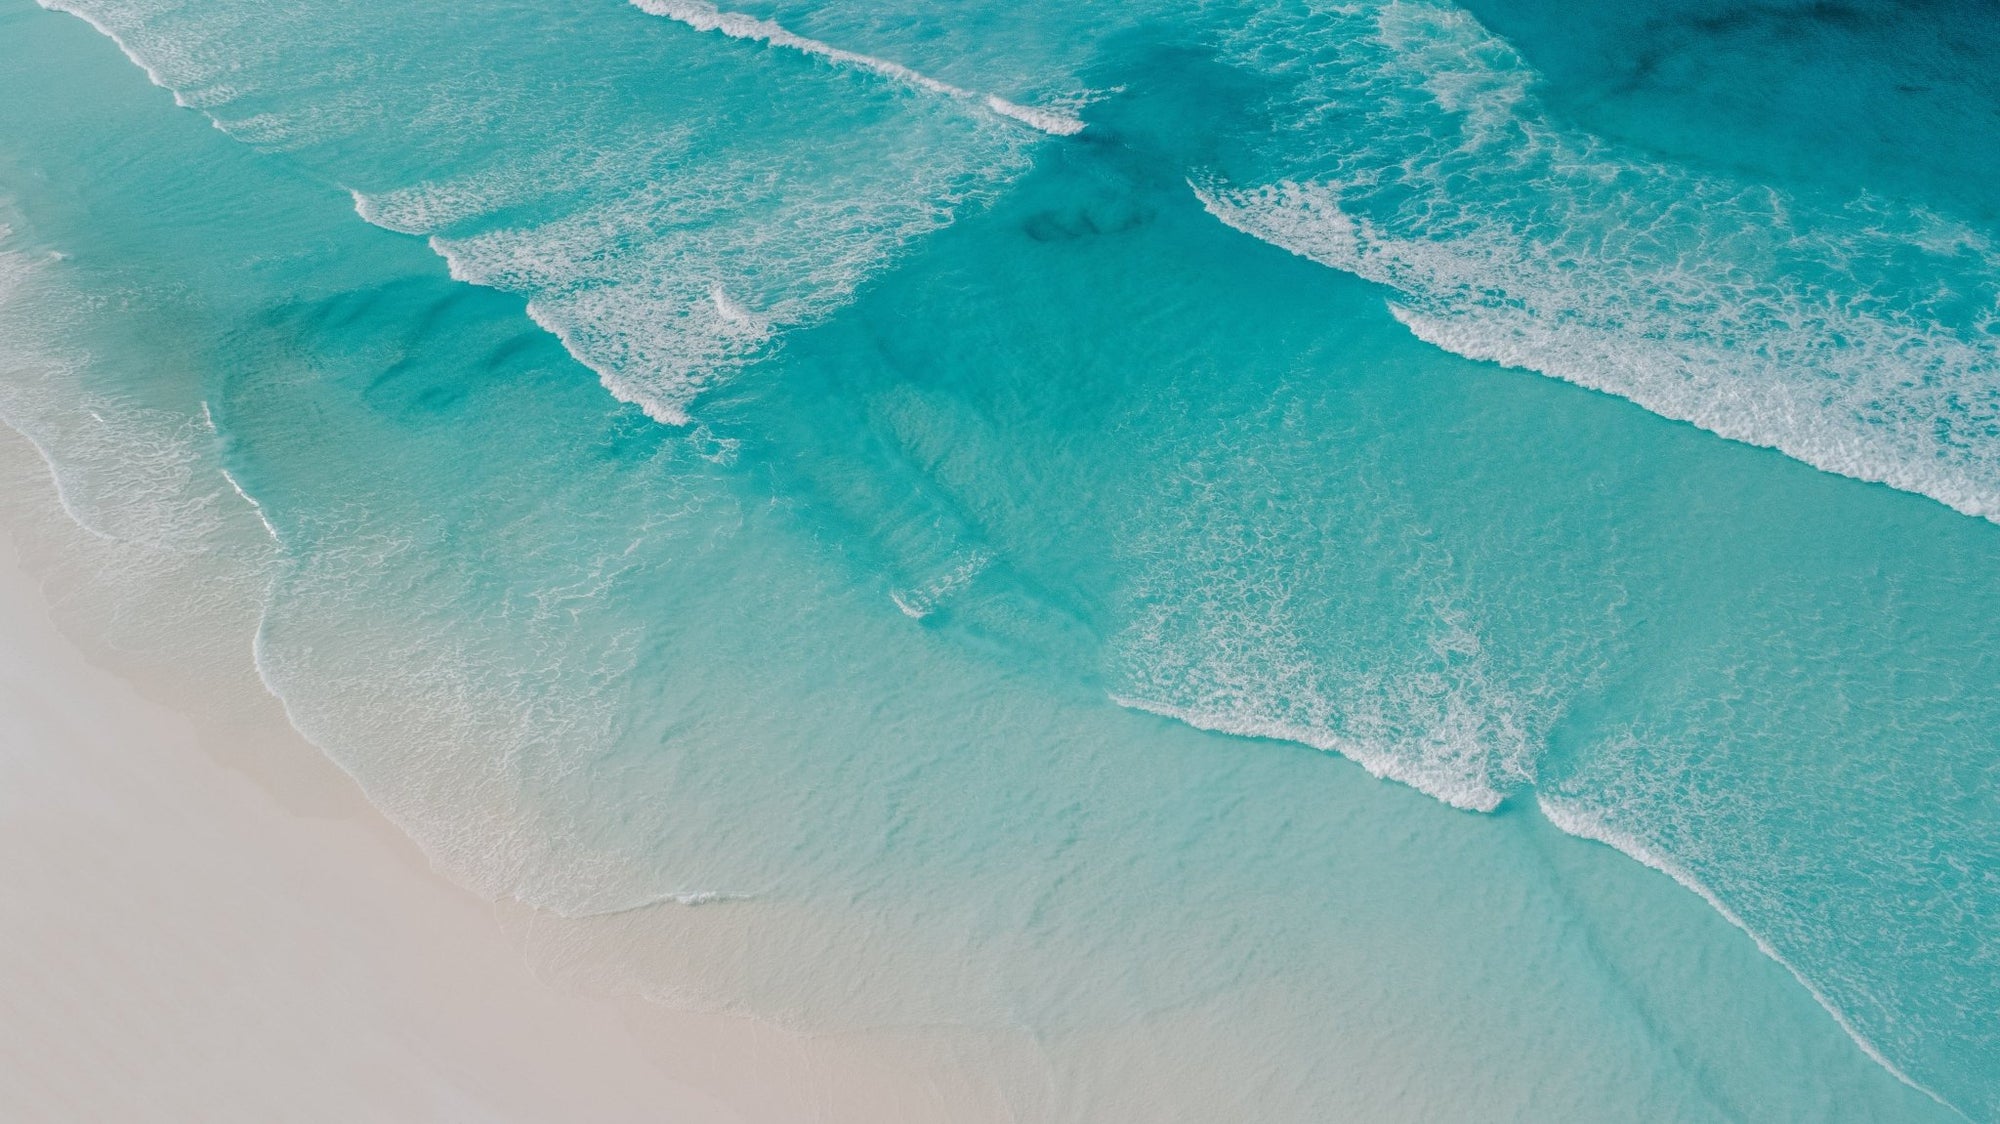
<point>904,491</point>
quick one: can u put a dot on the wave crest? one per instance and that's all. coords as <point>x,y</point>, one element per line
<point>707,17</point>
<point>1418,158</point>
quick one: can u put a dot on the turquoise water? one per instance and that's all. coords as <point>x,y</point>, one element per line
<point>775,468</point>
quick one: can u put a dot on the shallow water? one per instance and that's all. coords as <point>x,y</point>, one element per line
<point>976,528</point>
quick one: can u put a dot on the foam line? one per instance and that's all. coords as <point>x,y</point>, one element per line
<point>1863,413</point>
<point>710,265</point>
<point>1804,321</point>
<point>707,17</point>
<point>689,899</point>
<point>99,26</point>
<point>1382,764</point>
<point>1572,819</point>
<point>208,420</point>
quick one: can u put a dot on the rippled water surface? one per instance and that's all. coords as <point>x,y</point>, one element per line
<point>924,498</point>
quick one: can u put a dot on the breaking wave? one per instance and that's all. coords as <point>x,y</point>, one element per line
<point>1418,157</point>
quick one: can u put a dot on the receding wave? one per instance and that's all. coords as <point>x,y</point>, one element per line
<point>1419,158</point>
<point>707,17</point>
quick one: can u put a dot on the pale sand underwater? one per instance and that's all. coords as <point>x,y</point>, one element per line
<point>192,940</point>
<point>1009,562</point>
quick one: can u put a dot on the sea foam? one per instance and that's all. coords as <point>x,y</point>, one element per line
<point>1574,818</point>
<point>668,286</point>
<point>667,247</point>
<point>1419,158</point>
<point>1245,626</point>
<point>666,283</point>
<point>707,17</point>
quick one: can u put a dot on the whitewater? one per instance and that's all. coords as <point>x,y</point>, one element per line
<point>951,412</point>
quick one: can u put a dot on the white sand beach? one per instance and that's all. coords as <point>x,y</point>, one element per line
<point>184,943</point>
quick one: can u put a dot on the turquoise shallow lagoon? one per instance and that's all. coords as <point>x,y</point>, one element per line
<point>930,508</point>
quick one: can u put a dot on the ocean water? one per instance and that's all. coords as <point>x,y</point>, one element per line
<point>930,504</point>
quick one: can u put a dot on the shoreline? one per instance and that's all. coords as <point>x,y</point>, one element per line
<point>213,923</point>
<point>1258,924</point>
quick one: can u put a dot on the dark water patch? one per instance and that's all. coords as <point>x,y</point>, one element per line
<point>416,346</point>
<point>528,346</point>
<point>1839,95</point>
<point>1115,217</point>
